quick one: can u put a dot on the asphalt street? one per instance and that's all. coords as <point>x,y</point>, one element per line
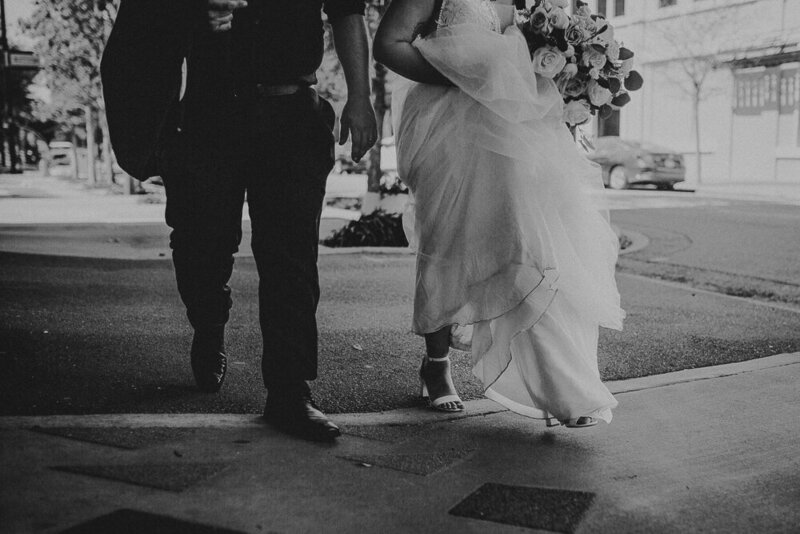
<point>86,335</point>
<point>732,246</point>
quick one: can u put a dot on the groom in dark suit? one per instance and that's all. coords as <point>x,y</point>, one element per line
<point>216,96</point>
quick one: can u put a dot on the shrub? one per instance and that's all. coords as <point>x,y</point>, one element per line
<point>378,229</point>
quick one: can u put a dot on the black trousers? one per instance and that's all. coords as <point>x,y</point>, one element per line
<point>275,151</point>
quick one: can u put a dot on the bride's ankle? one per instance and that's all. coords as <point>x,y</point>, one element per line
<point>434,366</point>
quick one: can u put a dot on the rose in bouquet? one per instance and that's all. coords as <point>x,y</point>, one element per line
<point>592,70</point>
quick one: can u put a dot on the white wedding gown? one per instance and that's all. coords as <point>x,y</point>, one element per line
<point>506,220</point>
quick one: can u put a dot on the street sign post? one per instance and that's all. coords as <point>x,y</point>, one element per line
<point>17,59</point>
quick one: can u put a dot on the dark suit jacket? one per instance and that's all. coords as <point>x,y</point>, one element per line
<point>141,73</point>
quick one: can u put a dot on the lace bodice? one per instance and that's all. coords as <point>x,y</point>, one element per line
<point>468,12</point>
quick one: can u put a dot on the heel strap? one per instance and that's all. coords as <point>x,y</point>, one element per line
<point>437,360</point>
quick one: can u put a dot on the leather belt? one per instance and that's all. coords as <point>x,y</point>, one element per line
<point>278,90</point>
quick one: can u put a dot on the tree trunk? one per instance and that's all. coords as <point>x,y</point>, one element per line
<point>13,149</point>
<point>374,171</point>
<point>108,158</point>
<point>90,146</point>
<point>75,167</point>
<point>697,148</point>
<point>3,146</point>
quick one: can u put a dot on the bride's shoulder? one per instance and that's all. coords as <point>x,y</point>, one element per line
<point>452,12</point>
<point>447,11</point>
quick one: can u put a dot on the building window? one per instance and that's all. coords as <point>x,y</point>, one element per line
<point>601,7</point>
<point>757,92</point>
<point>667,3</point>
<point>619,8</point>
<point>789,91</point>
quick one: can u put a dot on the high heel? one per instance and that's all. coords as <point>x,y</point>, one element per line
<point>449,401</point>
<point>576,422</point>
<point>580,422</point>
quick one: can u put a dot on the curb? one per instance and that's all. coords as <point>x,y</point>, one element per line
<point>693,290</point>
<point>394,251</point>
<point>638,241</point>
<point>403,416</point>
<point>791,198</point>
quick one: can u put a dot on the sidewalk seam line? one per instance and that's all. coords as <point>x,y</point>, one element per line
<point>701,378</point>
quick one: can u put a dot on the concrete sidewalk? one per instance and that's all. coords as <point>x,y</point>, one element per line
<point>712,449</point>
<point>30,199</point>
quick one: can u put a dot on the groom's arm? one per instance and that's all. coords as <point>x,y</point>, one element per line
<point>141,73</point>
<point>350,39</point>
<point>220,13</point>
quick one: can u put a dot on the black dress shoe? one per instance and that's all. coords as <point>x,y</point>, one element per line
<point>296,414</point>
<point>209,361</point>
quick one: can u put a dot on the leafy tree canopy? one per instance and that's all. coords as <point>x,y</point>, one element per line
<point>70,36</point>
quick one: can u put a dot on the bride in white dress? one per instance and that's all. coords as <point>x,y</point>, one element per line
<point>511,241</point>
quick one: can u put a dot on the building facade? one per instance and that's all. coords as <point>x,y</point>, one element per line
<point>728,68</point>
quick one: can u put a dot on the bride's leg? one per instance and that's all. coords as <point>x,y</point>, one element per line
<point>437,344</point>
<point>435,372</point>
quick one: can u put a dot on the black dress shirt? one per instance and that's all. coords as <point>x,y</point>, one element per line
<point>272,42</point>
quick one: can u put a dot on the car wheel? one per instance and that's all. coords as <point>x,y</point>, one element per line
<point>617,178</point>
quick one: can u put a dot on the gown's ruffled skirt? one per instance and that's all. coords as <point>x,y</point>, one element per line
<point>506,219</point>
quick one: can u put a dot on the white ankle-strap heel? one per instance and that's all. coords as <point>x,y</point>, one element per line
<point>444,402</point>
<point>577,422</point>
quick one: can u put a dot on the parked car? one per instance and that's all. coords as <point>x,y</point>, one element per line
<point>628,163</point>
<point>61,159</point>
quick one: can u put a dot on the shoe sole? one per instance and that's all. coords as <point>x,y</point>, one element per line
<point>287,428</point>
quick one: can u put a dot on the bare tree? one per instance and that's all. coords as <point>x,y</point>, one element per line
<point>698,43</point>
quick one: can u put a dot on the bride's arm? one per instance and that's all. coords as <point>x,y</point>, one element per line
<point>402,23</point>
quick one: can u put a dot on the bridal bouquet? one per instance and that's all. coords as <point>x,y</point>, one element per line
<point>593,71</point>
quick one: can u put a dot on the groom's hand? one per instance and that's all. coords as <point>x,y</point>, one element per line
<point>358,122</point>
<point>358,118</point>
<point>220,13</point>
